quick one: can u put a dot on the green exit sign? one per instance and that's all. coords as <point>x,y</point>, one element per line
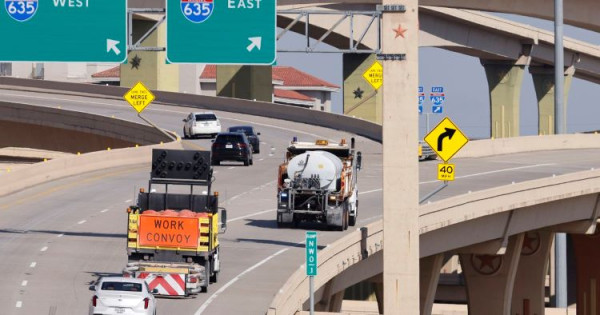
<point>64,30</point>
<point>311,253</point>
<point>221,32</point>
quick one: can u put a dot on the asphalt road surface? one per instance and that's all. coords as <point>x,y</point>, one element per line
<point>57,238</point>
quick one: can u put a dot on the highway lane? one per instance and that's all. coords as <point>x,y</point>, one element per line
<point>257,257</point>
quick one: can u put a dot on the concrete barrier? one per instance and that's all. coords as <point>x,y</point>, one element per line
<point>11,182</point>
<point>264,109</point>
<point>69,131</point>
<point>540,202</point>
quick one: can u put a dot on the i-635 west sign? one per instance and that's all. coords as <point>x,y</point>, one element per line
<point>63,30</point>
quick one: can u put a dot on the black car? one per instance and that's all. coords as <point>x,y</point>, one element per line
<point>231,146</point>
<point>252,136</point>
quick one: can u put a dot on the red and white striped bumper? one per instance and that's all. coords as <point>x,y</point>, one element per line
<point>171,284</point>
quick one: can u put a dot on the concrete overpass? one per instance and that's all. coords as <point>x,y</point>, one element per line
<point>492,231</point>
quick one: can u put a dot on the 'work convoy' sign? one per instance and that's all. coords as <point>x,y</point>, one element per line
<point>168,232</point>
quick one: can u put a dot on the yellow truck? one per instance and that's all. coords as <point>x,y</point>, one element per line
<point>172,237</point>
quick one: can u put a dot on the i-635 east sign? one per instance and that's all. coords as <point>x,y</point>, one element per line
<point>221,31</point>
<point>63,30</point>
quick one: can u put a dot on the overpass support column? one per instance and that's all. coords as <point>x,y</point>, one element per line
<point>587,260</point>
<point>429,276</point>
<point>361,100</point>
<point>543,81</point>
<point>490,279</point>
<point>529,288</point>
<point>245,82</point>
<point>504,82</point>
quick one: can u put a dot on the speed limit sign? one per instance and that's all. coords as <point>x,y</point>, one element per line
<point>446,172</point>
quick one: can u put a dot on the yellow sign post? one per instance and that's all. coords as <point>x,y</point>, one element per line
<point>139,97</point>
<point>446,171</point>
<point>374,75</point>
<point>446,139</point>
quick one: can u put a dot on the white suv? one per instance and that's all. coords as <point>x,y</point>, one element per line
<point>201,124</point>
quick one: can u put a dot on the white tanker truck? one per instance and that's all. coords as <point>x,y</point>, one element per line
<point>317,182</point>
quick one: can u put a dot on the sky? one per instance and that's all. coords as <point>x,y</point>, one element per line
<point>467,99</point>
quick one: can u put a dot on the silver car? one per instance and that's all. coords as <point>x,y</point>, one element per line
<point>119,295</point>
<point>201,124</point>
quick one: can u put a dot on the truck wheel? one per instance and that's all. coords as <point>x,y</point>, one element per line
<point>352,220</point>
<point>216,162</point>
<point>345,219</point>
<point>214,277</point>
<point>204,289</point>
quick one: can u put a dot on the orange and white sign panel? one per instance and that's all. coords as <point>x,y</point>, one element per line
<point>168,231</point>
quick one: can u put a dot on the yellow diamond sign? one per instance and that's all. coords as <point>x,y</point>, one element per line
<point>374,75</point>
<point>139,97</point>
<point>446,139</point>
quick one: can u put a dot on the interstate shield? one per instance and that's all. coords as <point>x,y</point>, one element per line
<point>21,10</point>
<point>197,11</point>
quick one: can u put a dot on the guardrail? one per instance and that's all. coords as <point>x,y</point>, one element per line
<point>579,188</point>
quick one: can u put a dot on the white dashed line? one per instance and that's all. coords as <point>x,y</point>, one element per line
<point>24,283</point>
<point>250,215</point>
<point>261,159</point>
<point>19,304</point>
<point>105,210</point>
<point>81,222</point>
<point>45,248</point>
<point>234,280</point>
<point>32,265</point>
<point>60,235</point>
<point>128,201</point>
<point>229,168</point>
<point>370,191</point>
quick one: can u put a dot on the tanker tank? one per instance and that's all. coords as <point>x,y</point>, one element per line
<point>324,165</point>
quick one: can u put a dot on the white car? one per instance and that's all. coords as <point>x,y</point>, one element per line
<point>118,295</point>
<point>201,124</point>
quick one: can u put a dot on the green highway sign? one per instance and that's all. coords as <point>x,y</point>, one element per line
<point>311,253</point>
<point>221,32</point>
<point>64,30</point>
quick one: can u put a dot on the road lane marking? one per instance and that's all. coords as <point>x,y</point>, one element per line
<point>105,210</point>
<point>32,265</point>
<point>60,235</point>
<point>494,172</point>
<point>24,283</point>
<point>234,280</point>
<point>45,248</point>
<point>70,185</point>
<point>19,304</point>
<point>250,215</point>
<point>230,168</point>
<point>128,201</point>
<point>261,159</point>
<point>81,222</point>
<point>370,191</point>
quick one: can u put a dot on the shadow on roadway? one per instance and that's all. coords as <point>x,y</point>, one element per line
<point>85,234</point>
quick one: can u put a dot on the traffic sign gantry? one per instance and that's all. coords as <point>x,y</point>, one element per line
<point>311,253</point>
<point>221,32</point>
<point>374,75</point>
<point>64,30</point>
<point>139,97</point>
<point>446,139</point>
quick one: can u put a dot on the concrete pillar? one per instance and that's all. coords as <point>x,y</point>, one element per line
<point>587,260</point>
<point>530,281</point>
<point>504,83</point>
<point>150,66</point>
<point>490,279</point>
<point>400,38</point>
<point>330,301</point>
<point>543,81</point>
<point>361,100</point>
<point>379,296</point>
<point>245,82</point>
<point>429,274</point>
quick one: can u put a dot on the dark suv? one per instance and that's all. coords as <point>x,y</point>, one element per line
<point>252,136</point>
<point>231,146</point>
